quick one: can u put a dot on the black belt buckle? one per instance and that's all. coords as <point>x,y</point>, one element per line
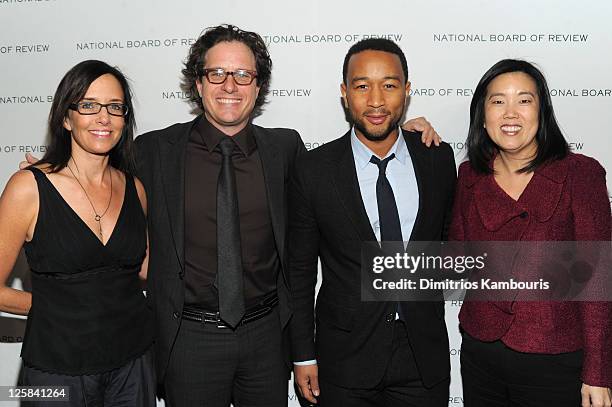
<point>213,318</point>
<point>207,317</point>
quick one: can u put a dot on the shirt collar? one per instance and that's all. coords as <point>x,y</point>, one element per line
<point>363,154</point>
<point>211,136</point>
<point>554,170</point>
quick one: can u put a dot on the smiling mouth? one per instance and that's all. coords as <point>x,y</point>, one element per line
<point>511,129</point>
<point>227,101</point>
<point>100,133</point>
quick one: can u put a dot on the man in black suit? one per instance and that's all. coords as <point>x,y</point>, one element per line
<point>374,183</point>
<point>217,229</point>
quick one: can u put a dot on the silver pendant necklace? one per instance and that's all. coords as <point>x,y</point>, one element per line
<point>97,217</point>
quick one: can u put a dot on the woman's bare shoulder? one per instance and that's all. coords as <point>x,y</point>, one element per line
<point>21,188</point>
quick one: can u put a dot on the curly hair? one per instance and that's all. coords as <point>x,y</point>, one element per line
<point>226,33</point>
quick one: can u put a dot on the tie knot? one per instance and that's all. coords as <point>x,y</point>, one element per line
<point>382,164</point>
<point>226,145</point>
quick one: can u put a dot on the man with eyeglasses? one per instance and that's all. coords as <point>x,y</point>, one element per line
<point>216,190</point>
<point>215,187</point>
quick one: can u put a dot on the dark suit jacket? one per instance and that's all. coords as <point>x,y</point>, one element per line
<point>161,168</point>
<point>328,220</point>
<point>566,200</point>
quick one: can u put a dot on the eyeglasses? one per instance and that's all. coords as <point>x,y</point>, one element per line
<point>114,109</point>
<point>219,75</point>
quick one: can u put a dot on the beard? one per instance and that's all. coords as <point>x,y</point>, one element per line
<point>380,135</point>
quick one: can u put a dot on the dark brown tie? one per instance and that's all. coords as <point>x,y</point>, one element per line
<point>229,258</point>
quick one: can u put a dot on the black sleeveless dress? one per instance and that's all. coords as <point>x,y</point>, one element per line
<point>88,313</point>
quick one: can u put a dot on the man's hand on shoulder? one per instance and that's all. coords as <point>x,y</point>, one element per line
<point>421,124</point>
<point>29,160</point>
<point>307,379</point>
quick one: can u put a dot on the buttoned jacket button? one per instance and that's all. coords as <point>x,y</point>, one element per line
<point>390,317</point>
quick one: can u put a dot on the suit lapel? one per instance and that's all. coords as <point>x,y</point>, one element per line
<point>172,164</point>
<point>422,172</point>
<point>273,165</point>
<point>347,186</point>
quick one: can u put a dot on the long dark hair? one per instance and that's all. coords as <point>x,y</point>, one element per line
<point>71,89</point>
<point>226,33</point>
<point>551,143</point>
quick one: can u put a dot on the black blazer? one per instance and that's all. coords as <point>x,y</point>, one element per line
<point>161,167</point>
<point>327,219</point>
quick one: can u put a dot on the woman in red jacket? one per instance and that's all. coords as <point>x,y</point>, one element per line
<point>523,184</point>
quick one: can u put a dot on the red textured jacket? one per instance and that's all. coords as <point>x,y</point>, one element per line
<point>566,200</point>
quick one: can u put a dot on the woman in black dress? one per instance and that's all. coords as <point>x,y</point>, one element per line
<point>80,214</point>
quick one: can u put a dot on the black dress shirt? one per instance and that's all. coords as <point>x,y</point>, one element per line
<point>259,256</point>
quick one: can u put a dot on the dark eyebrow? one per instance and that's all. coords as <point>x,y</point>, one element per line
<point>96,100</point>
<point>520,94</point>
<point>364,78</point>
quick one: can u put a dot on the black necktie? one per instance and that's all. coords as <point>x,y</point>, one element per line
<point>229,258</point>
<point>388,216</point>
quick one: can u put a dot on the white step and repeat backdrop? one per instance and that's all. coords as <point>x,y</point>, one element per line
<point>448,44</point>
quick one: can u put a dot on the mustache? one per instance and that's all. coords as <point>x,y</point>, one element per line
<point>381,111</point>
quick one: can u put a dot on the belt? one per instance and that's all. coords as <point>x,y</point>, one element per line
<point>209,317</point>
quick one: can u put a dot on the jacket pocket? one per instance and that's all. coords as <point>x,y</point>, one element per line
<point>335,315</point>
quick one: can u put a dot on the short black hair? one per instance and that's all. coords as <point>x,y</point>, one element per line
<point>192,71</point>
<point>71,89</point>
<point>375,44</point>
<point>481,149</point>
